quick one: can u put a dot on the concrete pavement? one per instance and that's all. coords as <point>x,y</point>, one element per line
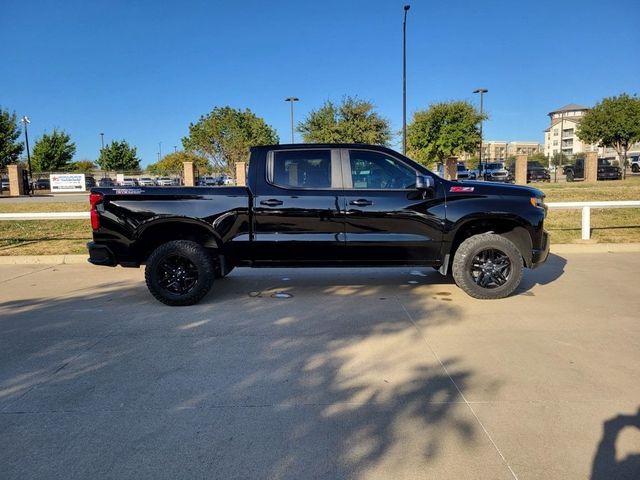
<point>364,374</point>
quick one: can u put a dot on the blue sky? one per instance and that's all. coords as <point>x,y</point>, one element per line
<point>143,70</point>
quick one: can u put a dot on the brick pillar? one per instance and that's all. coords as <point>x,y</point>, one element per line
<point>15,180</point>
<point>189,174</point>
<point>241,174</point>
<point>451,168</point>
<point>521,169</point>
<point>591,167</point>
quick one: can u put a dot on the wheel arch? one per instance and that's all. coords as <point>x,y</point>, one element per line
<point>153,234</point>
<point>511,228</point>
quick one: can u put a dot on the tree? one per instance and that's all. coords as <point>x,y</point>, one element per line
<point>473,162</point>
<point>82,166</point>
<point>10,150</point>
<point>444,130</point>
<point>614,122</point>
<point>225,135</point>
<point>510,161</point>
<point>539,157</point>
<point>119,156</point>
<point>353,121</point>
<point>53,152</point>
<point>172,164</point>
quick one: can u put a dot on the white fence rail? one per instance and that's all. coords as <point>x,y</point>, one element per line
<point>45,216</point>
<point>584,206</point>
<point>586,210</point>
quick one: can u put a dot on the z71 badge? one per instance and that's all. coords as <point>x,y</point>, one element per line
<point>461,189</point>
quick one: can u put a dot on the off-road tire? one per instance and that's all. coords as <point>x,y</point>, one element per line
<point>480,251</point>
<point>570,177</point>
<point>179,273</point>
<point>635,168</point>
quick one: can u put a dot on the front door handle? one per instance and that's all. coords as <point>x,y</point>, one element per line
<point>272,202</point>
<point>361,202</point>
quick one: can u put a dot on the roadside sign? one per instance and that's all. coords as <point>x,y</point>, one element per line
<point>68,182</point>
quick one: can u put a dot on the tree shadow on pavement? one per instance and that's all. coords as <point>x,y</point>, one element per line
<point>337,381</point>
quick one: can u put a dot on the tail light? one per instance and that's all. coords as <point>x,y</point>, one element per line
<point>94,200</point>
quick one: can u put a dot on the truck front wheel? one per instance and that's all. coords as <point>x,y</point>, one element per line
<point>179,273</point>
<point>487,266</point>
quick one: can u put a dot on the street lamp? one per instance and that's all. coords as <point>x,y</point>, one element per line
<point>404,80</point>
<point>175,149</point>
<point>159,150</point>
<point>292,99</point>
<point>102,140</point>
<point>481,91</point>
<point>25,120</point>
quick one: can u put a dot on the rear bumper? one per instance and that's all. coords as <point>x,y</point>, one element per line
<point>101,255</point>
<point>539,256</point>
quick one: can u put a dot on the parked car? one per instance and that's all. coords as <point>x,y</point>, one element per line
<point>129,182</point>
<point>89,181</point>
<point>106,182</point>
<point>164,182</point>
<point>5,183</point>
<point>606,171</point>
<point>635,163</point>
<point>42,184</point>
<point>537,173</point>
<point>208,181</point>
<point>146,182</point>
<point>301,209</point>
<point>495,172</point>
<point>226,180</point>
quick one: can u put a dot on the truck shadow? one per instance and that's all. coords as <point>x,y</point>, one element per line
<point>547,273</point>
<point>334,382</point>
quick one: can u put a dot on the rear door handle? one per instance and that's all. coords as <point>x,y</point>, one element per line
<point>361,202</point>
<point>272,202</point>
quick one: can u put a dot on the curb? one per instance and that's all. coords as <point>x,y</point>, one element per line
<point>43,259</point>
<point>557,249</point>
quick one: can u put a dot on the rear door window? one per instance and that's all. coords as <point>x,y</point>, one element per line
<point>296,169</point>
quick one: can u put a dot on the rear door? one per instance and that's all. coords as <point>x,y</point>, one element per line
<point>387,220</point>
<point>298,216</point>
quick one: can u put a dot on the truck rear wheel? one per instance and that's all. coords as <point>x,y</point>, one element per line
<point>569,175</point>
<point>179,273</point>
<point>487,266</point>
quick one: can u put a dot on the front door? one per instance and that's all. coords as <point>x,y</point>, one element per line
<point>389,221</point>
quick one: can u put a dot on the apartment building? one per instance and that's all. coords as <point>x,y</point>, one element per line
<point>499,150</point>
<point>561,134</point>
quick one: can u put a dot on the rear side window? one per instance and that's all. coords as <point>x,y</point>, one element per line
<point>302,169</point>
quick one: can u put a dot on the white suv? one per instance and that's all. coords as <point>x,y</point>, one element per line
<point>495,172</point>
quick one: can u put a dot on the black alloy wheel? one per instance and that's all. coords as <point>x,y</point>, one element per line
<point>487,266</point>
<point>179,272</point>
<point>490,268</point>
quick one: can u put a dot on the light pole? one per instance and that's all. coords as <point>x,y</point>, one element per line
<point>159,150</point>
<point>102,140</point>
<point>481,91</point>
<point>25,120</point>
<point>404,80</point>
<point>292,99</point>
<point>175,149</point>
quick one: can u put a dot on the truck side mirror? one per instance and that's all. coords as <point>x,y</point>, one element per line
<point>424,182</point>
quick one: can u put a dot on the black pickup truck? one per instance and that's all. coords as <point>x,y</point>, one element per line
<point>320,205</point>
<point>606,171</point>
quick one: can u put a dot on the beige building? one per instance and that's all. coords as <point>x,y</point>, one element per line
<point>499,150</point>
<point>561,134</point>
